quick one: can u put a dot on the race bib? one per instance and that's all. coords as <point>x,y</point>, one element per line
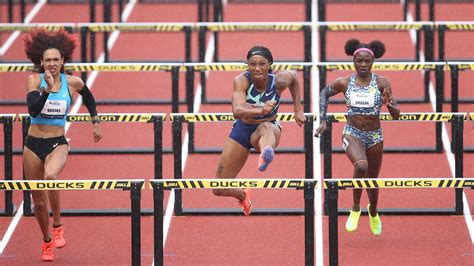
<point>54,109</point>
<point>363,99</point>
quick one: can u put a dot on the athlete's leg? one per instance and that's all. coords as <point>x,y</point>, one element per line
<point>374,157</point>
<point>53,164</point>
<point>265,139</point>
<point>266,134</point>
<point>355,150</point>
<point>232,160</point>
<point>33,167</point>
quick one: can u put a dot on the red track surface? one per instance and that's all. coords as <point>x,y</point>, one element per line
<point>245,240</point>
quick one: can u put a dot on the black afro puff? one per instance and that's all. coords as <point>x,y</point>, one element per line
<point>377,47</point>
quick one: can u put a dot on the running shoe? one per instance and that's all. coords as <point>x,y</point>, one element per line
<point>375,223</point>
<point>266,157</point>
<point>353,220</point>
<point>47,251</point>
<point>58,237</point>
<point>246,204</point>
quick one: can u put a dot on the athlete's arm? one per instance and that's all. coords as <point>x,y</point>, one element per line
<point>388,99</point>
<point>34,98</point>
<point>290,79</point>
<point>78,85</point>
<point>328,91</point>
<point>240,108</point>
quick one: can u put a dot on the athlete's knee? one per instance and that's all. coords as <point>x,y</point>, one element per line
<point>219,192</point>
<point>265,127</point>
<point>361,167</point>
<point>50,175</point>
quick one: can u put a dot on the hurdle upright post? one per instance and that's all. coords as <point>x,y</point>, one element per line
<point>190,104</point>
<point>177,143</point>
<point>333,195</point>
<point>439,104</point>
<point>327,156</point>
<point>458,126</point>
<point>158,222</point>
<point>25,124</point>
<point>8,161</point>
<point>309,223</point>
<point>158,147</point>
<point>135,196</point>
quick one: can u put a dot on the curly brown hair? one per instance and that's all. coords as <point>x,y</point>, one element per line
<point>40,39</point>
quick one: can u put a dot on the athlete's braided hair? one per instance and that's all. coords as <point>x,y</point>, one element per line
<point>39,40</point>
<point>377,47</point>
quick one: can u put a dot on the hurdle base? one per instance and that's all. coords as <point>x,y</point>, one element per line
<point>101,212</point>
<point>4,213</point>
<point>399,150</point>
<point>403,211</point>
<point>219,150</point>
<point>238,212</point>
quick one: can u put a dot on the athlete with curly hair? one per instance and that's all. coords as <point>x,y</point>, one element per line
<point>49,96</point>
<point>362,138</point>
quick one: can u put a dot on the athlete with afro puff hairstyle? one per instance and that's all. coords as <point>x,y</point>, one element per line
<point>49,97</point>
<point>362,138</point>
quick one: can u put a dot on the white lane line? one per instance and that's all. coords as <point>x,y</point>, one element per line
<point>316,141</point>
<point>446,141</point>
<point>11,228</point>
<point>90,81</point>
<point>8,43</point>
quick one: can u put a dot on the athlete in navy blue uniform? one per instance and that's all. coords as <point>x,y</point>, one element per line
<point>49,99</point>
<point>255,103</point>
<point>362,137</point>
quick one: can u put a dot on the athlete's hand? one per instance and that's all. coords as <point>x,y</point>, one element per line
<point>97,133</point>
<point>322,127</point>
<point>49,80</point>
<point>268,107</point>
<point>300,118</point>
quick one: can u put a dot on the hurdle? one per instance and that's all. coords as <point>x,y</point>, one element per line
<point>333,187</point>
<point>307,185</point>
<point>7,121</point>
<point>179,119</point>
<point>134,185</point>
<point>457,139</point>
<point>155,118</point>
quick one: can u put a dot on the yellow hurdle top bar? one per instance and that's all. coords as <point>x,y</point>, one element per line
<point>231,183</point>
<point>238,66</point>
<point>68,184</point>
<point>112,117</point>
<point>244,26</point>
<point>300,183</point>
<point>337,117</point>
<point>404,183</point>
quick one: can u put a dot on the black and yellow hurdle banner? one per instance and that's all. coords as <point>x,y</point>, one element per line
<point>456,25</point>
<point>136,26</point>
<point>125,117</point>
<point>388,25</point>
<point>244,26</point>
<point>68,184</point>
<point>237,66</point>
<point>3,116</point>
<point>224,117</point>
<point>252,26</point>
<point>403,183</point>
<point>7,27</point>
<point>231,183</point>
<point>342,117</point>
